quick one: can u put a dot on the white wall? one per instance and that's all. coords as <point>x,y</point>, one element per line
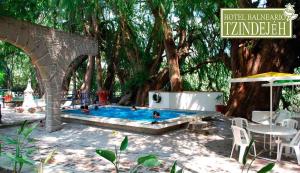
<point>202,101</point>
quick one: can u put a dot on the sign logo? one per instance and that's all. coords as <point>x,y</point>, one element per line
<point>258,22</point>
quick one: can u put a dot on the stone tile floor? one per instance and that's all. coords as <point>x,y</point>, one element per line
<point>75,150</point>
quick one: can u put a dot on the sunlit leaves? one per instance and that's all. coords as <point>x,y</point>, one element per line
<point>124,144</point>
<point>148,160</point>
<point>107,154</point>
<point>15,67</point>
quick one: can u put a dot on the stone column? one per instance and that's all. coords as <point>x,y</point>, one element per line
<point>53,119</point>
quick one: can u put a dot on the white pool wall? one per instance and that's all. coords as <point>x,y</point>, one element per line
<point>200,101</point>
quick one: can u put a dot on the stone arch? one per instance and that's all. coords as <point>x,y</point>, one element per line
<point>51,51</point>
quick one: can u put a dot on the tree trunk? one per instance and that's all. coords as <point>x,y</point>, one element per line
<point>173,58</point>
<point>110,78</point>
<point>111,70</point>
<point>71,71</point>
<point>99,77</point>
<point>40,88</point>
<point>86,86</point>
<point>157,80</point>
<point>171,50</point>
<point>258,56</point>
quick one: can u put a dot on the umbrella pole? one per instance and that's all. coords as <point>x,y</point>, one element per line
<point>271,112</point>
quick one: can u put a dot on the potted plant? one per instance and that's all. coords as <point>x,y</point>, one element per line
<point>220,107</point>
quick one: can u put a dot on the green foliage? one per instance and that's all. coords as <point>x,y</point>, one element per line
<point>44,162</point>
<point>107,154</point>
<point>147,161</point>
<point>3,73</point>
<point>290,98</point>
<point>24,149</point>
<point>199,19</point>
<point>247,151</point>
<point>113,157</point>
<point>137,80</point>
<point>173,169</point>
<point>26,10</point>
<point>16,68</point>
<point>265,169</point>
<point>22,152</point>
<point>124,144</point>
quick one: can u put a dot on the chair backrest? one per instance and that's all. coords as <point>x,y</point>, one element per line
<point>261,117</point>
<point>296,140</point>
<point>290,123</point>
<point>282,115</point>
<point>239,135</point>
<point>240,122</point>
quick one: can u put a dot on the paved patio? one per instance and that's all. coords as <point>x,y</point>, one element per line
<point>11,118</point>
<point>76,144</point>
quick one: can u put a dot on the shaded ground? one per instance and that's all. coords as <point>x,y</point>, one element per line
<point>11,118</point>
<point>76,144</point>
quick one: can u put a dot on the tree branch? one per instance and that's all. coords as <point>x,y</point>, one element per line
<point>209,61</point>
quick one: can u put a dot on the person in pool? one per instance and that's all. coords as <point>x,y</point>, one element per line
<point>133,108</point>
<point>85,109</point>
<point>156,115</point>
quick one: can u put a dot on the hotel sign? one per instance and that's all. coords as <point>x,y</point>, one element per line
<point>257,23</point>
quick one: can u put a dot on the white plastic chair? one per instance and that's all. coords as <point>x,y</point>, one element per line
<point>294,144</point>
<point>240,122</point>
<point>261,117</point>
<point>282,115</point>
<point>240,138</point>
<point>290,123</point>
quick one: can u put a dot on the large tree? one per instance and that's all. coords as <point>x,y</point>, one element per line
<point>253,56</point>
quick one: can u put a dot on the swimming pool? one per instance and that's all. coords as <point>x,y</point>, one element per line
<point>140,121</point>
<point>143,115</point>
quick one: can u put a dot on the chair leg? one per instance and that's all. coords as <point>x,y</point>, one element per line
<point>254,149</point>
<point>232,150</point>
<point>241,155</point>
<point>297,151</point>
<point>280,153</point>
<point>264,141</point>
<point>287,150</point>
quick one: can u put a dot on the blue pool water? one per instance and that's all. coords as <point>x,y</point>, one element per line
<point>127,113</point>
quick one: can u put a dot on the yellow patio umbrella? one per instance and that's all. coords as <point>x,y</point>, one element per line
<point>269,77</point>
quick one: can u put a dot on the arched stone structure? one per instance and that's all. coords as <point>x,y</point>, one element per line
<point>51,51</point>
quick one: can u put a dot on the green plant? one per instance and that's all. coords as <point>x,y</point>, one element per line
<point>264,169</point>
<point>22,151</point>
<point>45,161</point>
<point>143,162</point>
<point>173,169</point>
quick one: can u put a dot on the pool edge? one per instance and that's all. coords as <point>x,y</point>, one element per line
<point>134,126</point>
<point>134,129</point>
